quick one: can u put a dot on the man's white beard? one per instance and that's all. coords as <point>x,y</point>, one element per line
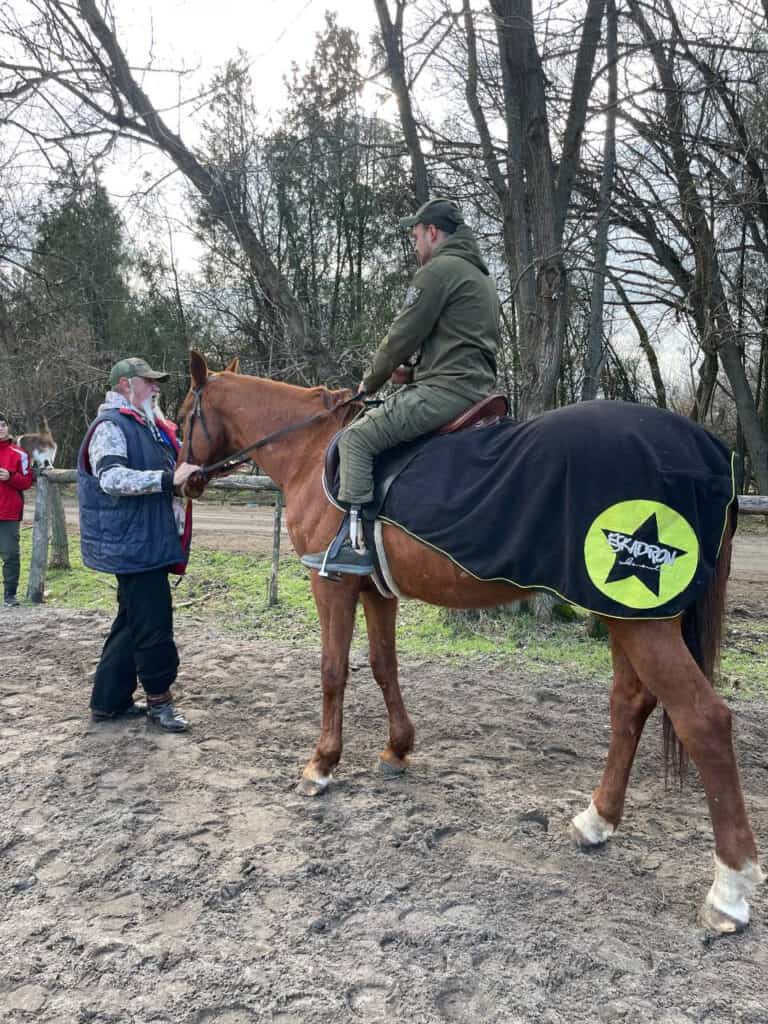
<point>151,409</point>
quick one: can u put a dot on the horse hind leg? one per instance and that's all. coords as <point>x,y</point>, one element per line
<point>380,617</point>
<point>702,722</point>
<point>631,704</point>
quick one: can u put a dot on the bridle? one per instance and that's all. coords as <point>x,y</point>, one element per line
<point>239,458</point>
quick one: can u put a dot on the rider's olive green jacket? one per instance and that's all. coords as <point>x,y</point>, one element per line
<point>448,326</point>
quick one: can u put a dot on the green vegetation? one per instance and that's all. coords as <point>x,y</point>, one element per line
<point>230,592</point>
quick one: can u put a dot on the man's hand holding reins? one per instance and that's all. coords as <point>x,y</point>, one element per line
<point>181,474</point>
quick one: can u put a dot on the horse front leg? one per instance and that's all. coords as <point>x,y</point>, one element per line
<point>631,703</point>
<point>380,617</point>
<point>702,723</point>
<point>336,603</point>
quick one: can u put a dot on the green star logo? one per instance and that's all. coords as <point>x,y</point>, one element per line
<point>641,554</point>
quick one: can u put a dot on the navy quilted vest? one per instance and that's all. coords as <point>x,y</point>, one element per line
<point>127,534</point>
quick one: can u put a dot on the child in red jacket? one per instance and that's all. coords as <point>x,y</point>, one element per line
<point>15,477</point>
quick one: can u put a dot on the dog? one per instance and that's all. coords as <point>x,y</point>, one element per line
<point>41,447</point>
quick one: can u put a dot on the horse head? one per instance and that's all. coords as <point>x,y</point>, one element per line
<point>204,430</point>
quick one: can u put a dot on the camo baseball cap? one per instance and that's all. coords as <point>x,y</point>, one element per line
<point>134,367</point>
<point>443,213</point>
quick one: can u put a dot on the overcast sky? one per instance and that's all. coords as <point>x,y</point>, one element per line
<point>201,36</point>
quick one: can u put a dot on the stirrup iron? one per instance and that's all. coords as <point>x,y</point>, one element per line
<point>333,549</point>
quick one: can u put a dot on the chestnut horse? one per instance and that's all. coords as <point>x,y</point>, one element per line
<point>227,412</point>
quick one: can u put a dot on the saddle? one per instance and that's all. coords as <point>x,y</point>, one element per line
<point>484,413</point>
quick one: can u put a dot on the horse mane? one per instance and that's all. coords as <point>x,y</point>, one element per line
<point>333,398</point>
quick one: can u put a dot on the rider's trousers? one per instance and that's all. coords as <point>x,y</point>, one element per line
<point>414,410</point>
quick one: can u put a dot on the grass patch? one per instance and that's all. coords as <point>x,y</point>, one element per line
<point>229,592</point>
<point>744,660</point>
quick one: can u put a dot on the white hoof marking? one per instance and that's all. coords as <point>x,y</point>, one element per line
<point>731,888</point>
<point>592,826</point>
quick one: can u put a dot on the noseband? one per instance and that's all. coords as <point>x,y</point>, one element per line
<point>239,458</point>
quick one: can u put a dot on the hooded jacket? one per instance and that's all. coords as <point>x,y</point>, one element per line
<point>448,327</point>
<point>16,461</point>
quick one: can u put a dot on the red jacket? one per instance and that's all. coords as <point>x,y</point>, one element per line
<point>16,461</point>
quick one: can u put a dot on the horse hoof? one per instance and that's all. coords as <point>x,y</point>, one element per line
<point>312,787</point>
<point>392,769</point>
<point>581,840</point>
<point>714,920</point>
<point>589,829</point>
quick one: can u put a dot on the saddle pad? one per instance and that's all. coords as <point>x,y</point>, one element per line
<point>615,507</point>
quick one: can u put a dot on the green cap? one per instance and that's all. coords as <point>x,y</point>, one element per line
<point>134,367</point>
<point>443,213</point>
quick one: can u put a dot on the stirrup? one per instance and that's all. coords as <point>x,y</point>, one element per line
<point>351,528</point>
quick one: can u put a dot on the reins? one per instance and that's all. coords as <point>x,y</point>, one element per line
<point>242,456</point>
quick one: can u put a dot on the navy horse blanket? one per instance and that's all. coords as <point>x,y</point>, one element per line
<point>615,507</point>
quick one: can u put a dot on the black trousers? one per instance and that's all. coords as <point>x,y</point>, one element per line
<point>9,553</point>
<point>140,646</point>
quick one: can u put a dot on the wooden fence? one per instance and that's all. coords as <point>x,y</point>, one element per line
<point>49,480</point>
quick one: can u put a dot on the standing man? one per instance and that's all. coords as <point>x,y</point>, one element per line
<point>15,478</point>
<point>133,524</point>
<point>441,347</point>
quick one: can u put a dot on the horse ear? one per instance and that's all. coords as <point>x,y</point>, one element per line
<point>198,369</point>
<point>233,366</point>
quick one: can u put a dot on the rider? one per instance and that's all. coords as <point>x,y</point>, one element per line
<point>441,346</point>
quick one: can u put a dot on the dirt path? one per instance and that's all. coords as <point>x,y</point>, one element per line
<point>148,878</point>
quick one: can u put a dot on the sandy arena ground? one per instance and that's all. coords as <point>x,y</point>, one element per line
<point>147,878</point>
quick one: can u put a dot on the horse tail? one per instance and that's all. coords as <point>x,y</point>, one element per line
<point>702,629</point>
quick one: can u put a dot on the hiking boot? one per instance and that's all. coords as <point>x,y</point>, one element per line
<point>11,602</point>
<point>131,712</point>
<point>167,717</point>
<point>346,560</point>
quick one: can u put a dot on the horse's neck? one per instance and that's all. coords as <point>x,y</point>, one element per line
<point>294,459</point>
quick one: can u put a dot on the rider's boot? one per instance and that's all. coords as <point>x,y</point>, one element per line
<point>346,553</point>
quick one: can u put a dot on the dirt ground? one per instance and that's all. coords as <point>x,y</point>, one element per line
<point>147,878</point>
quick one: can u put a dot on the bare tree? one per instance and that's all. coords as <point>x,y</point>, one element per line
<point>392,39</point>
<point>532,191</point>
<point>74,60</point>
<point>718,334</point>
<point>594,358</point>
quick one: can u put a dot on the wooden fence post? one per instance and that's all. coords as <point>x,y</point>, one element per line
<point>40,530</point>
<point>59,542</point>
<point>276,526</point>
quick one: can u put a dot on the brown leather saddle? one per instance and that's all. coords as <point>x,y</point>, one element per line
<point>484,413</point>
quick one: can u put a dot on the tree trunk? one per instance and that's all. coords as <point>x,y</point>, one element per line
<point>645,344</point>
<point>214,190</point>
<point>594,356</point>
<point>720,335</point>
<point>392,38</point>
